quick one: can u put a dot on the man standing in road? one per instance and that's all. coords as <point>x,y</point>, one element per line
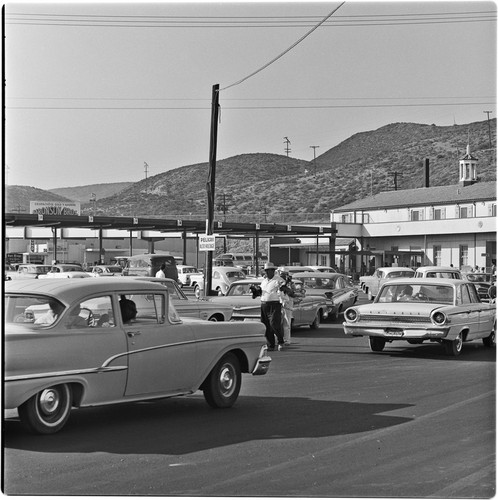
<point>271,308</point>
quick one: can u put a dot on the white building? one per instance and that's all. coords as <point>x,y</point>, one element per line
<point>441,225</point>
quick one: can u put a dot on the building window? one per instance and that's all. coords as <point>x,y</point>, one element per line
<point>438,214</point>
<point>463,212</point>
<point>436,250</point>
<point>323,260</point>
<point>493,210</point>
<point>415,215</point>
<point>464,255</point>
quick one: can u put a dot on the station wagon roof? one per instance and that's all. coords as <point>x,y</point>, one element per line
<point>427,281</point>
<point>317,274</point>
<point>70,289</point>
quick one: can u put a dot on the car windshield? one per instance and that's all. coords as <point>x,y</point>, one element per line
<point>189,270</point>
<point>318,283</point>
<point>241,289</point>
<point>479,277</point>
<point>401,274</point>
<point>32,309</point>
<point>404,292</point>
<point>235,275</point>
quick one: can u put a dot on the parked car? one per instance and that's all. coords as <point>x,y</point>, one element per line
<point>222,277</point>
<point>65,274</point>
<point>438,272</point>
<point>483,282</point>
<point>192,308</point>
<point>184,273</point>
<point>371,284</point>
<point>105,270</point>
<point>65,268</point>
<point>415,310</point>
<point>324,269</point>
<point>148,264</point>
<point>99,359</point>
<point>309,310</point>
<point>291,270</point>
<point>334,286</point>
<point>28,271</point>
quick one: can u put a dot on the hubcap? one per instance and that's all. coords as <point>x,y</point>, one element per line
<point>49,401</point>
<point>226,380</point>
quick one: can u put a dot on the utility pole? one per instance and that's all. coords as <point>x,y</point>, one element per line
<point>287,143</point>
<point>396,174</point>
<point>146,169</point>
<point>210,185</point>
<point>314,157</point>
<point>489,127</point>
<point>224,205</point>
<point>93,199</point>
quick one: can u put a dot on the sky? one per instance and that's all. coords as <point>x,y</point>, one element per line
<point>112,92</point>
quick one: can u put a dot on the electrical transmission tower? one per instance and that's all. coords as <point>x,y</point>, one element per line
<point>287,145</point>
<point>395,178</point>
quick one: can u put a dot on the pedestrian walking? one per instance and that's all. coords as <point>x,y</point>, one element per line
<point>287,295</point>
<point>271,307</point>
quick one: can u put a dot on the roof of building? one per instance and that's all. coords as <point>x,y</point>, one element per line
<point>437,195</point>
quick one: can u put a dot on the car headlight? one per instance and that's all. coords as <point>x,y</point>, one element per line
<point>439,318</point>
<point>352,315</point>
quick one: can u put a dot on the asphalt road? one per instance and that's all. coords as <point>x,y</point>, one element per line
<point>330,419</point>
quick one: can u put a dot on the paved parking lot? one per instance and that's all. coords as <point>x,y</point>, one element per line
<point>331,419</point>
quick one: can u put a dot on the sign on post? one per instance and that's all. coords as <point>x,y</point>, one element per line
<point>207,243</point>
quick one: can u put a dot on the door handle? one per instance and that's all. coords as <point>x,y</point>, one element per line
<point>133,334</point>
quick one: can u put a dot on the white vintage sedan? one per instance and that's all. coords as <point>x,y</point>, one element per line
<point>309,310</point>
<point>416,310</point>
<point>86,350</point>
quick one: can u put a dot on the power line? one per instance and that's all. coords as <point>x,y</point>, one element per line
<point>196,108</point>
<point>285,51</point>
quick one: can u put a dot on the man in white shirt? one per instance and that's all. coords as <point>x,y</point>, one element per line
<point>271,308</point>
<point>160,273</point>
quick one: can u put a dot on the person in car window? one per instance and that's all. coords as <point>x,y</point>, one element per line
<point>128,309</point>
<point>54,310</point>
<point>75,320</point>
<point>406,294</point>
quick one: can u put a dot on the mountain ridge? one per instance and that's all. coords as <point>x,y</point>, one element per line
<point>278,188</point>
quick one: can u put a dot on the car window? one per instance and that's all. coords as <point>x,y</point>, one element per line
<point>465,297</point>
<point>150,308</point>
<point>96,312</point>
<point>40,311</point>
<point>441,294</point>
<point>474,297</point>
<point>174,292</point>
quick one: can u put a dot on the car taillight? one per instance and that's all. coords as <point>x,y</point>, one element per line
<point>439,318</point>
<point>351,315</point>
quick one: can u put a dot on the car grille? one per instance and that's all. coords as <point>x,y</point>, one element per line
<point>376,318</point>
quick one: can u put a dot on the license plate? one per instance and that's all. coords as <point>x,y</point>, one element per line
<point>394,332</point>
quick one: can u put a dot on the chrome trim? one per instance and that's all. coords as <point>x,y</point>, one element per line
<point>64,373</point>
<point>175,344</point>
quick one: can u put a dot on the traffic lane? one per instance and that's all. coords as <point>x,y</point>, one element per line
<point>330,419</point>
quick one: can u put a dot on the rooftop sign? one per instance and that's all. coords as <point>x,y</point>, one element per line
<point>55,207</point>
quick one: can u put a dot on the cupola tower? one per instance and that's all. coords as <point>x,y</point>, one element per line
<point>468,165</point>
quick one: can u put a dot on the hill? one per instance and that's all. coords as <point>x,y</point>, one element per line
<point>17,198</point>
<point>84,193</point>
<point>275,188</point>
